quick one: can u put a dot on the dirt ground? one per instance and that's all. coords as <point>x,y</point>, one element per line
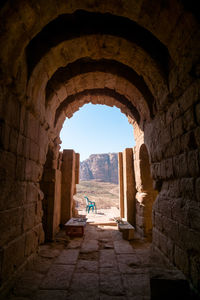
<point>105,194</point>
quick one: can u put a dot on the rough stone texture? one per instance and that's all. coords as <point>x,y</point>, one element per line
<point>68,184</point>
<point>129,186</point>
<point>102,167</point>
<point>158,91</point>
<point>121,184</point>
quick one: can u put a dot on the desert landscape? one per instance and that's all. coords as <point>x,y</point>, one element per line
<point>105,194</point>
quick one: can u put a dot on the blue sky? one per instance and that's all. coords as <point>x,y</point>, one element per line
<point>97,129</point>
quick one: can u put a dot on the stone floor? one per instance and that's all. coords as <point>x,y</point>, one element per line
<point>101,265</point>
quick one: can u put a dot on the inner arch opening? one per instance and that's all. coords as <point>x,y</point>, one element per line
<point>98,133</point>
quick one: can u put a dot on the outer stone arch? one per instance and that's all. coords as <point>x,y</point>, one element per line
<point>96,47</point>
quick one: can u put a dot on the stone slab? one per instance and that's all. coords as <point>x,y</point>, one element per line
<point>88,266</point>
<point>89,246</point>
<point>85,283</point>
<point>51,295</point>
<point>68,257</point>
<point>27,283</point>
<point>136,284</point>
<point>58,277</point>
<point>122,247</point>
<point>111,284</point>
<point>107,259</point>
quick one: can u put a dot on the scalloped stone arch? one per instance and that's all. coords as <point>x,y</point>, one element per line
<point>99,80</point>
<point>26,23</point>
<point>95,96</point>
<point>95,47</point>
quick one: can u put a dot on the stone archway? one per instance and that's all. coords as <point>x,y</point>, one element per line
<point>160,55</point>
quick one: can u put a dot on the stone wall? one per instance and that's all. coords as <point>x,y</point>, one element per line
<point>151,72</point>
<point>174,149</point>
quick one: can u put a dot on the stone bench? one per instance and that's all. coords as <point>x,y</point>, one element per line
<point>127,230</point>
<point>75,227</point>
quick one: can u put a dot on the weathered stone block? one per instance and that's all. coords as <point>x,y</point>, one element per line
<point>174,188</point>
<point>197,189</point>
<point>10,224</point>
<point>177,128</point>
<point>31,192</point>
<point>32,127</point>
<point>188,141</point>
<point>187,188</point>
<point>11,262</point>
<point>197,136</point>
<point>129,186</point>
<point>4,134</point>
<point>33,171</point>
<point>20,168</point>
<point>180,211</point>
<point>193,163</point>
<point>188,120</point>
<point>29,216</point>
<point>170,228</point>
<point>194,217</point>
<point>13,194</point>
<point>13,140</point>
<point>34,151</point>
<point>7,165</point>
<point>195,268</point>
<point>181,260</point>
<point>180,165</point>
<point>38,212</point>
<point>31,242</point>
<point>169,168</point>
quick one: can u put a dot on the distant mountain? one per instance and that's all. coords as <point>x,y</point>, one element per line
<point>101,167</point>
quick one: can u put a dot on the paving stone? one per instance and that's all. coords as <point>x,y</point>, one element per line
<point>106,297</point>
<point>74,244</point>
<point>58,277</point>
<point>122,247</point>
<point>116,235</point>
<point>111,284</point>
<point>67,257</point>
<point>106,244</point>
<point>105,234</point>
<point>87,266</point>
<point>27,283</point>
<point>136,284</point>
<point>131,263</point>
<point>48,252</point>
<point>89,256</point>
<point>85,283</point>
<point>89,246</point>
<point>107,259</point>
<point>84,296</point>
<point>41,265</point>
<point>12,297</point>
<point>51,295</point>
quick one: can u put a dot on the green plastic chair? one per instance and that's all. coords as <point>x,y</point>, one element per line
<point>90,204</point>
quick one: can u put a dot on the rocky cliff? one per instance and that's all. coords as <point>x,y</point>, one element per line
<point>103,167</point>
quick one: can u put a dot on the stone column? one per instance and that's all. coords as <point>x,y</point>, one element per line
<point>121,184</point>
<point>77,168</point>
<point>129,186</point>
<point>67,185</point>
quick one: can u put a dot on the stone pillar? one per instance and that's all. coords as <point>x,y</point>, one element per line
<point>51,187</point>
<point>121,184</point>
<point>129,186</point>
<point>77,168</point>
<point>67,185</point>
